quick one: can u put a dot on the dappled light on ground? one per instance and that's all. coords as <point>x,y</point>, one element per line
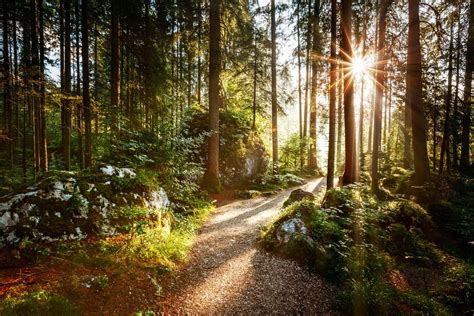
<point>228,273</point>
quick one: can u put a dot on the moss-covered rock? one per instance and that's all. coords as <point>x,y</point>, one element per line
<point>67,205</point>
<point>243,156</point>
<point>297,196</point>
<point>344,199</point>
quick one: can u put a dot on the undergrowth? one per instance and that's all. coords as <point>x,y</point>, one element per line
<point>358,242</point>
<point>38,303</point>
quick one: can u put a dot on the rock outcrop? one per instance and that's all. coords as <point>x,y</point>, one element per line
<point>69,205</point>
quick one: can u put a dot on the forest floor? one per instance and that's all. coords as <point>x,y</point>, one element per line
<point>227,273</point>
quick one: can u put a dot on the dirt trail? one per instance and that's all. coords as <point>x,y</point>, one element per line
<point>228,274</point>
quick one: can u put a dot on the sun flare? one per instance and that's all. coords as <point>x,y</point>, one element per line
<point>360,65</point>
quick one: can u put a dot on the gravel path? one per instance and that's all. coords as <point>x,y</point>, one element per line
<point>228,274</point>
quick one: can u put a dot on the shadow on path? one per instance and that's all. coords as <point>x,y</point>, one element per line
<point>226,273</point>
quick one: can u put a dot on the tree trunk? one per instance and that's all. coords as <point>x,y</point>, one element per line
<point>274,92</point>
<point>466,120</point>
<point>447,117</point>
<point>414,95</point>
<point>306,93</point>
<point>66,133</point>
<point>86,89</point>
<point>300,101</point>
<point>255,68</point>
<point>35,75</point>
<point>211,178</point>
<point>7,96</point>
<point>371,114</point>
<point>79,105</point>
<point>312,157</point>
<point>361,109</point>
<point>42,137</point>
<point>332,96</point>
<point>350,175</point>
<point>115,68</point>
<point>380,79</point>
<point>199,45</point>
<point>456,91</point>
<point>96,79</point>
<point>339,116</point>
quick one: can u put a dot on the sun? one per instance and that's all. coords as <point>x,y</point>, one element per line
<point>359,66</point>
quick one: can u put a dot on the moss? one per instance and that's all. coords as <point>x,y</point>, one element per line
<point>344,199</point>
<point>298,195</point>
<point>38,303</point>
<point>411,215</point>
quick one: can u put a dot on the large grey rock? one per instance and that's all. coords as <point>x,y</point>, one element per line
<point>289,228</point>
<point>67,206</point>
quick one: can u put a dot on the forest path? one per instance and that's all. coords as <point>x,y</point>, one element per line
<point>227,273</point>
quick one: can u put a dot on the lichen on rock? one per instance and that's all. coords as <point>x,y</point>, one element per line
<point>68,206</point>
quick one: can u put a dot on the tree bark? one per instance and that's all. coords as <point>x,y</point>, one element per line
<point>466,120</point>
<point>414,95</point>
<point>312,156</point>
<point>447,117</point>
<point>66,132</point>
<point>332,96</point>
<point>380,79</point>
<point>115,68</point>
<point>300,100</point>
<point>86,89</point>
<point>211,178</point>
<point>274,92</point>
<point>7,96</point>
<point>42,137</point>
<point>350,175</point>
<point>79,105</point>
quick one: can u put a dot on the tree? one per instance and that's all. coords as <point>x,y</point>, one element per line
<point>350,170</point>
<point>466,118</point>
<point>332,96</point>
<point>211,178</point>
<point>66,102</point>
<point>300,97</point>
<point>115,66</point>
<point>43,143</point>
<point>7,101</point>
<point>414,94</point>
<point>312,157</point>
<point>274,92</point>
<point>380,79</point>
<point>85,82</point>
<point>446,132</point>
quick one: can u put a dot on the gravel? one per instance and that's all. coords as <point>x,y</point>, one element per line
<point>227,273</point>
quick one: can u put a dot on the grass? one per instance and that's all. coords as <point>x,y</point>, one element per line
<point>160,244</point>
<point>38,303</point>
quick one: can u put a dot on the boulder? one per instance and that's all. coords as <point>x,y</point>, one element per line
<point>298,195</point>
<point>293,241</point>
<point>289,228</point>
<point>68,205</point>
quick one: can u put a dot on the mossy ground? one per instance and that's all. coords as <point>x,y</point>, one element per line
<point>387,257</point>
<point>112,275</point>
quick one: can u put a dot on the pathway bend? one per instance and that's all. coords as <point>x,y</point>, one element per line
<point>228,274</point>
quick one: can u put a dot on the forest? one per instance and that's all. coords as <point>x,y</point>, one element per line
<point>309,157</point>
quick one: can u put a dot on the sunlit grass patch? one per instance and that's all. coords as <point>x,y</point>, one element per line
<point>152,244</point>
